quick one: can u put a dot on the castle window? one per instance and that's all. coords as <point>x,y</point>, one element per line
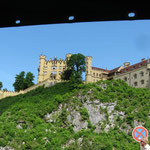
<point>135,76</point>
<point>45,68</point>
<point>64,67</point>
<point>93,74</point>
<point>59,67</point>
<point>125,78</point>
<point>97,74</point>
<point>142,81</point>
<point>59,72</point>
<point>54,67</point>
<point>142,73</point>
<point>135,83</point>
<point>44,72</point>
<point>53,72</point>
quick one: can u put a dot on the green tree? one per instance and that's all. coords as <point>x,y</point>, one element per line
<point>75,68</point>
<point>22,82</point>
<point>29,79</point>
<point>1,85</point>
<point>5,89</point>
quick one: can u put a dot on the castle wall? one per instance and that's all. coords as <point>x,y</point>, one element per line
<point>98,75</point>
<point>49,73</point>
<point>136,78</point>
<point>4,94</point>
<point>46,83</point>
<point>94,74</point>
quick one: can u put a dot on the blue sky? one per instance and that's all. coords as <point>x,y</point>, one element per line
<point>109,43</point>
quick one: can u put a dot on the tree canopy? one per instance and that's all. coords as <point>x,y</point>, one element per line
<point>1,85</point>
<point>22,82</point>
<point>75,68</point>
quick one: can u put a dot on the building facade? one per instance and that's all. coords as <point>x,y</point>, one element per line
<point>137,75</point>
<point>51,69</point>
<point>94,74</point>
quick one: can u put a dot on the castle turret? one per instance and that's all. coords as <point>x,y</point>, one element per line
<point>68,56</point>
<point>88,69</point>
<point>41,67</point>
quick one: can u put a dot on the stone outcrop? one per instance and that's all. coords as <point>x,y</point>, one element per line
<point>100,114</point>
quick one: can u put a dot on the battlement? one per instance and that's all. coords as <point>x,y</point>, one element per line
<point>55,60</point>
<point>50,67</point>
<point>88,57</point>
<point>4,94</point>
<point>42,57</point>
<point>1,91</point>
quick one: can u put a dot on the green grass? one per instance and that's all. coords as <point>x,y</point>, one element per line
<point>30,109</point>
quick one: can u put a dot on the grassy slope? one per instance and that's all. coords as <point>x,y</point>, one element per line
<point>31,108</point>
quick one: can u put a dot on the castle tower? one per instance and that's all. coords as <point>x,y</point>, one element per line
<point>68,56</point>
<point>88,69</point>
<point>42,61</point>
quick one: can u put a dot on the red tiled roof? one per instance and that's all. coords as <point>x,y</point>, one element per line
<point>114,70</point>
<point>127,69</point>
<point>95,68</point>
<point>135,66</point>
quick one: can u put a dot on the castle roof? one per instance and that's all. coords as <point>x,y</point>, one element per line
<point>121,70</point>
<point>135,66</point>
<point>114,70</point>
<point>95,68</point>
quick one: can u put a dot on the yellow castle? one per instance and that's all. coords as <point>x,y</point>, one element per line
<point>49,73</point>
<point>137,75</point>
<point>51,69</point>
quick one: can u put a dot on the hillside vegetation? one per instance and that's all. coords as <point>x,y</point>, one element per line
<point>65,117</point>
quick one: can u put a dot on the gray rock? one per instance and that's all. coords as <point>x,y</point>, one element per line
<point>136,123</point>
<point>69,118</point>
<point>107,128</point>
<point>98,129</point>
<point>97,102</point>
<point>68,143</point>
<point>19,126</point>
<point>6,148</point>
<point>78,124</point>
<point>94,114</point>
<point>90,91</point>
<point>103,86</point>
<point>53,116</point>
<point>89,102</point>
<point>149,115</point>
<point>80,140</point>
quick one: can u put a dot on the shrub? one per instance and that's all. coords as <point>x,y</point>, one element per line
<point>84,113</point>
